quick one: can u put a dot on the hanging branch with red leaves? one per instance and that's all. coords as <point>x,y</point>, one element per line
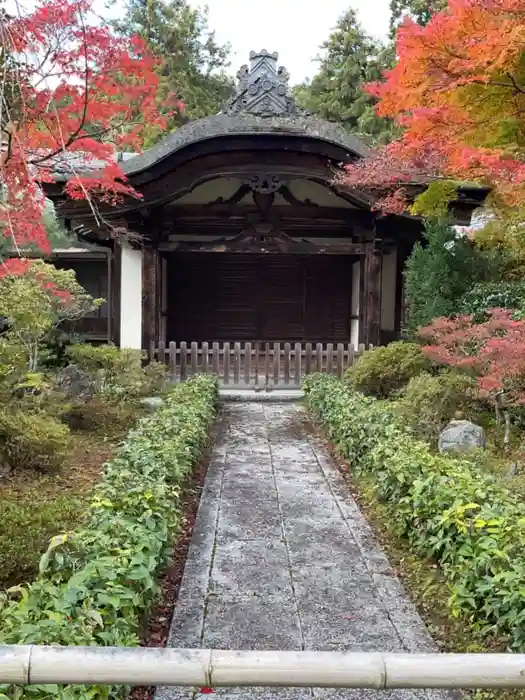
<point>71,96</point>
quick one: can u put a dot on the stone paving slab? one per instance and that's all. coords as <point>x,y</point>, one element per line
<point>282,558</point>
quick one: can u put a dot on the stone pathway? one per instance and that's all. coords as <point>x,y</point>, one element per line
<point>282,558</point>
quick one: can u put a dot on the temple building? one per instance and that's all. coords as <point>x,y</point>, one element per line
<point>240,233</point>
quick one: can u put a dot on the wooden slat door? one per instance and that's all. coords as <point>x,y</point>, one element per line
<point>234,298</point>
<point>328,298</point>
<point>221,297</point>
<point>281,290</point>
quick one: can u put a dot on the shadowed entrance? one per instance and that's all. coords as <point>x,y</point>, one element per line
<point>243,297</point>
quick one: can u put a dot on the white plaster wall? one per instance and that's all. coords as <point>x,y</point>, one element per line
<point>388,291</point>
<point>355,306</point>
<point>131,298</point>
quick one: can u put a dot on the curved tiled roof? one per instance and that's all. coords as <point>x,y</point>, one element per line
<point>241,125</point>
<point>261,105</point>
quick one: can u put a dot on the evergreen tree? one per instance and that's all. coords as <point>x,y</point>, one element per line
<point>350,59</point>
<point>421,11</point>
<point>57,235</point>
<point>193,63</point>
<point>440,272</point>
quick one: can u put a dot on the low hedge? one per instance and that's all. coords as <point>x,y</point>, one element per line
<point>95,585</point>
<point>447,508</point>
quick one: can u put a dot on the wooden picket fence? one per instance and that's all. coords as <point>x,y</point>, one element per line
<point>257,365</point>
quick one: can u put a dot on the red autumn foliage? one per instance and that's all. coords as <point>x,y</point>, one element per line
<point>14,267</point>
<point>493,350</point>
<point>458,92</point>
<point>71,93</point>
<point>17,267</point>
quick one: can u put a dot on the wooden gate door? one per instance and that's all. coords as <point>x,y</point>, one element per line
<point>220,297</point>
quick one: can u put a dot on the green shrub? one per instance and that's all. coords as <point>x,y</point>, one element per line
<point>429,401</point>
<point>33,440</point>
<point>96,584</point>
<point>493,295</point>
<point>382,371</point>
<point>439,272</point>
<point>34,304</point>
<point>447,508</point>
<point>100,416</point>
<point>118,374</point>
<point>28,521</point>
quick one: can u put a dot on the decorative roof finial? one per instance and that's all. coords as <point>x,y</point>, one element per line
<point>262,88</point>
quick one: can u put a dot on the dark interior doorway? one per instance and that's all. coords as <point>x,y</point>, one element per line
<point>249,297</point>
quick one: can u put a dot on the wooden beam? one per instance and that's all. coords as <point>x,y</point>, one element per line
<point>285,211</point>
<point>221,246</point>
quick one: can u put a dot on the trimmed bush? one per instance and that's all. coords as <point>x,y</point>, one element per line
<point>28,520</point>
<point>430,401</point>
<point>33,440</point>
<point>382,371</point>
<point>447,508</point>
<point>95,585</point>
<point>117,374</point>
<point>99,416</point>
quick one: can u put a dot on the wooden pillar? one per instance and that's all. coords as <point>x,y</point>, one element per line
<point>150,299</point>
<point>372,294</point>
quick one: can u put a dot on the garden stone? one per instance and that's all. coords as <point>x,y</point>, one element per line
<point>75,383</point>
<point>152,403</point>
<point>462,436</point>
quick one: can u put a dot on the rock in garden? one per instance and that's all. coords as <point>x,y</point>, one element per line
<point>461,436</point>
<point>152,403</point>
<point>74,383</point>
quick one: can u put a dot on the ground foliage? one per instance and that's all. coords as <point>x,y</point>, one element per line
<point>35,506</point>
<point>447,508</point>
<point>95,584</point>
<point>430,400</point>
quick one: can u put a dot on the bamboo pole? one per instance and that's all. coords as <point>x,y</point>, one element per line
<point>213,668</point>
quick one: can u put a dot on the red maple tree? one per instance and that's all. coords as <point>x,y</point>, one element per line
<point>71,96</point>
<point>494,351</point>
<point>458,92</point>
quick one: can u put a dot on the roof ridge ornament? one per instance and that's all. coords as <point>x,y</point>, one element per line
<point>262,88</point>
